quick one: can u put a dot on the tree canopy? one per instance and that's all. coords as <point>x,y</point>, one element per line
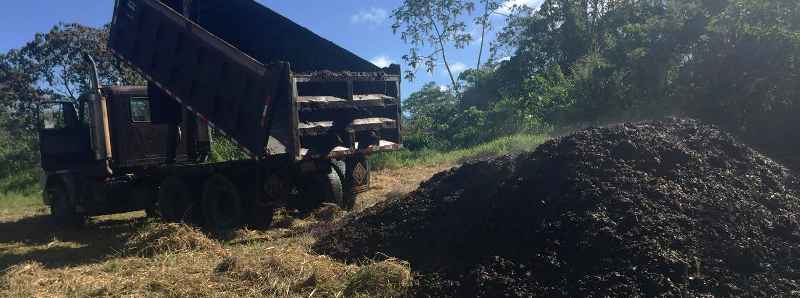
<point>584,62</point>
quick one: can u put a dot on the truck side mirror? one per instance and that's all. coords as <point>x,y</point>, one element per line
<point>57,115</point>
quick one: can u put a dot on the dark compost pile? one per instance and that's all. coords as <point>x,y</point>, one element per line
<point>672,207</point>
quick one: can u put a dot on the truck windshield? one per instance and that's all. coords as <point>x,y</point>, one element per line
<point>140,109</point>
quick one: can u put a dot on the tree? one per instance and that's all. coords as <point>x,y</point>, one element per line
<point>52,67</point>
<point>430,27</point>
<point>56,59</point>
<point>430,111</point>
<point>489,7</point>
<point>743,73</point>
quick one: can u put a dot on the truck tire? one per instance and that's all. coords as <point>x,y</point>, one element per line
<point>152,212</point>
<point>322,187</point>
<point>260,217</point>
<point>62,209</point>
<point>262,206</point>
<point>176,202</point>
<point>223,208</point>
<point>333,189</point>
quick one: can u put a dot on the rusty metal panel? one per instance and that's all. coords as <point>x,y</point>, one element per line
<point>143,143</point>
<point>270,37</point>
<point>259,77</point>
<point>222,85</point>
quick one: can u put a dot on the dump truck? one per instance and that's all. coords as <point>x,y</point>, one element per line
<point>306,112</point>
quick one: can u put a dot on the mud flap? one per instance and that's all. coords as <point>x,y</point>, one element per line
<point>357,174</point>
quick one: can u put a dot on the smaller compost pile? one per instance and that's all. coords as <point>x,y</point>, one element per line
<point>672,207</point>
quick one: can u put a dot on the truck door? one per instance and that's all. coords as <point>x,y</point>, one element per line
<point>136,139</point>
<point>64,142</point>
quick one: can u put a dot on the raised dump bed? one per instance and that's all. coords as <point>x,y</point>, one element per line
<point>271,85</point>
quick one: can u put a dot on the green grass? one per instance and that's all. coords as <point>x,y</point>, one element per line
<point>20,181</point>
<point>504,145</point>
<point>16,203</point>
<point>16,200</point>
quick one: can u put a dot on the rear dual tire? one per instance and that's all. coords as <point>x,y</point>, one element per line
<point>177,202</point>
<point>223,207</point>
<point>219,206</point>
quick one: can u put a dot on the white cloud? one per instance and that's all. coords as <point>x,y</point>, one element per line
<point>382,61</point>
<point>509,5</point>
<point>458,68</point>
<point>444,88</point>
<point>476,35</point>
<point>374,16</point>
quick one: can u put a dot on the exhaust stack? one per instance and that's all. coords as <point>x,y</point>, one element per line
<point>101,138</point>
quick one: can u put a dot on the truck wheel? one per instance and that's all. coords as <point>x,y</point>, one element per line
<point>176,202</point>
<point>222,204</point>
<point>152,212</point>
<point>262,206</point>
<point>260,217</point>
<point>62,209</point>
<point>321,188</point>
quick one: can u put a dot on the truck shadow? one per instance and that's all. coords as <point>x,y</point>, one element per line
<point>38,239</point>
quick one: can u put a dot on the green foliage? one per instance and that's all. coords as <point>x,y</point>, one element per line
<point>53,61</point>
<point>18,170</point>
<point>575,63</point>
<point>430,27</point>
<point>430,110</point>
<point>743,74</point>
<point>223,149</point>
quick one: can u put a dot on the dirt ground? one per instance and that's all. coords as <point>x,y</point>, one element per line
<point>37,259</point>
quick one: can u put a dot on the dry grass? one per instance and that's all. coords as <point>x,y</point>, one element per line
<point>166,238</point>
<point>130,256</point>
<point>395,183</point>
<point>389,278</point>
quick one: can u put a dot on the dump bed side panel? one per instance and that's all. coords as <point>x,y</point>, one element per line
<point>269,37</point>
<point>222,85</point>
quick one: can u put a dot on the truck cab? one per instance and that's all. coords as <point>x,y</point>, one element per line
<point>92,150</point>
<point>138,138</point>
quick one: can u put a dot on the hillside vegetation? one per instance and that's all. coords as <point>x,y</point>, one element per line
<point>573,63</point>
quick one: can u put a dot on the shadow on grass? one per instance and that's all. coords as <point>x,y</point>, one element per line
<point>38,239</point>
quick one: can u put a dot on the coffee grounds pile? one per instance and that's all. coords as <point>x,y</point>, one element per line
<point>672,207</point>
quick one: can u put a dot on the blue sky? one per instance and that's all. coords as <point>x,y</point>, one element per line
<point>361,26</point>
